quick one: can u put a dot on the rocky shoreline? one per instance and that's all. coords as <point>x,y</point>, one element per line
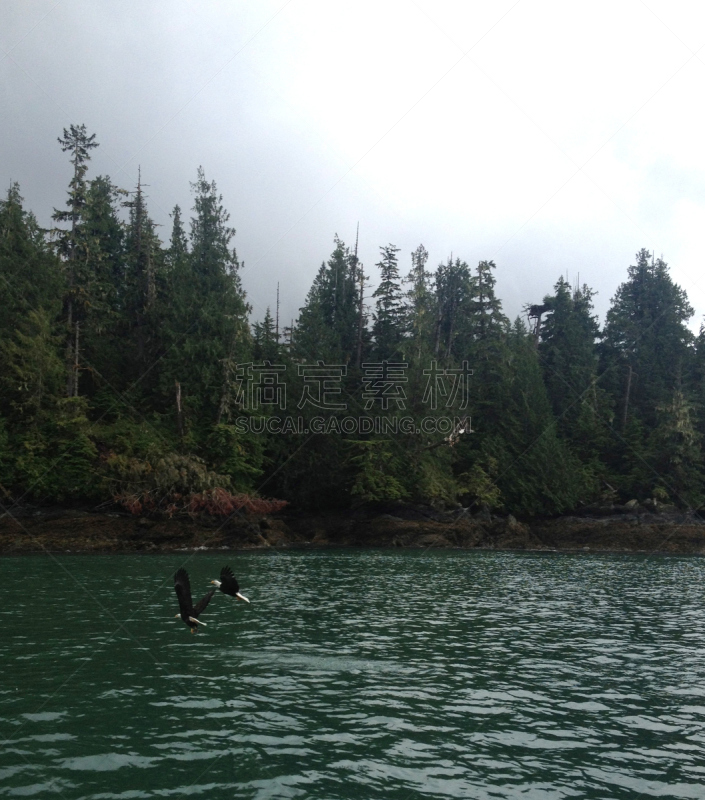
<point>607,529</point>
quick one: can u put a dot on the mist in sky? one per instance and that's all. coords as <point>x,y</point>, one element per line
<point>555,138</point>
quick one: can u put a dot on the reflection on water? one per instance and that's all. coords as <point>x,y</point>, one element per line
<point>355,674</point>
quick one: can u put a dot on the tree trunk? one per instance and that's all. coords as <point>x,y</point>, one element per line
<point>179,412</point>
<point>360,314</point>
<point>75,361</point>
<point>626,399</point>
<point>69,348</point>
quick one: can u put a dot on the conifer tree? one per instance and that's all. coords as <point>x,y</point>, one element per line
<point>537,473</point>
<point>178,247</point>
<point>388,329</point>
<point>421,306</point>
<point>569,361</point>
<point>647,344</point>
<point>103,312</point>
<point>144,272</point>
<point>568,350</point>
<point>265,347</point>
<point>328,325</point>
<point>676,452</point>
<point>488,321</point>
<point>698,379</point>
<point>73,245</point>
<point>30,277</point>
<point>207,320</point>
<point>31,372</point>
<point>453,290</point>
<point>106,232</point>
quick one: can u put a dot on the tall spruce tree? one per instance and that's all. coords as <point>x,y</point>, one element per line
<point>46,450</point>
<point>102,328</point>
<point>177,253</point>
<point>144,273</point>
<point>453,291</point>
<point>265,345</point>
<point>74,247</point>
<point>207,321</point>
<point>389,319</point>
<point>30,277</point>
<point>487,319</point>
<point>647,344</point>
<point>676,453</point>
<point>421,306</point>
<point>31,287</point>
<point>536,472</point>
<point>328,325</point>
<point>568,352</point>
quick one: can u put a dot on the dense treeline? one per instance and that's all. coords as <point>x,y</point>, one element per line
<point>129,371</point>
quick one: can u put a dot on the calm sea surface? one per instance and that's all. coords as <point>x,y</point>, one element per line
<point>355,674</point>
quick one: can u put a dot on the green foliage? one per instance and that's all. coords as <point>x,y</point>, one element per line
<point>678,456</point>
<point>488,323</point>
<point>389,319</point>
<point>135,437</point>
<point>203,317</point>
<point>647,347</point>
<point>237,455</point>
<point>163,476</point>
<point>537,473</point>
<point>328,323</point>
<point>77,249</point>
<point>265,344</point>
<point>432,481</point>
<point>120,357</point>
<point>6,460</point>
<point>375,472</point>
<point>453,290</point>
<point>479,484</point>
<point>568,350</point>
<point>30,279</point>
<point>31,372</point>
<point>57,461</point>
<point>421,311</point>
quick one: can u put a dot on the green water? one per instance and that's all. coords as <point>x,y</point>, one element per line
<point>355,674</point>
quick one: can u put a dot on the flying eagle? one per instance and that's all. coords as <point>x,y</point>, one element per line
<point>187,611</point>
<point>228,584</point>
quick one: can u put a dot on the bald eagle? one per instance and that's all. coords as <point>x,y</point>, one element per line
<point>187,611</point>
<point>228,584</point>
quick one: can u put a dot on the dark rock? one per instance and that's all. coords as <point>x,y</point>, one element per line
<point>629,530</point>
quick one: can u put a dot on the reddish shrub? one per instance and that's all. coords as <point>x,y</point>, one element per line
<point>215,502</point>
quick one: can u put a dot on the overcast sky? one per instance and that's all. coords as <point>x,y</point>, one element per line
<point>556,138</point>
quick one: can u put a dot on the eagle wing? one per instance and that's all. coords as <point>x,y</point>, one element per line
<point>202,603</point>
<point>182,586</point>
<point>229,581</point>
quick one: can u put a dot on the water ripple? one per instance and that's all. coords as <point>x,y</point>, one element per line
<point>538,676</point>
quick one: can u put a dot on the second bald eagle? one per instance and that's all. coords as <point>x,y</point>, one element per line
<point>228,584</point>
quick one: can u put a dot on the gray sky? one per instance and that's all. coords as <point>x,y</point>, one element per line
<point>553,137</point>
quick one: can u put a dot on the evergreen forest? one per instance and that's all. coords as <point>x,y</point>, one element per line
<point>131,375</point>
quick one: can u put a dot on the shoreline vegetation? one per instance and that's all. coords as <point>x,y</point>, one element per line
<point>133,381</point>
<point>598,529</point>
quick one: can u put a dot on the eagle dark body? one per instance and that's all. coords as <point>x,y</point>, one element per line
<point>182,586</point>
<point>228,582</point>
